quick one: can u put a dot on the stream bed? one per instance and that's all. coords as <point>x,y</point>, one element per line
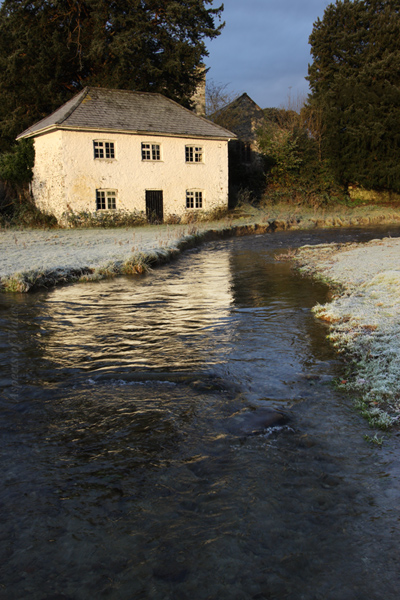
<point>134,463</point>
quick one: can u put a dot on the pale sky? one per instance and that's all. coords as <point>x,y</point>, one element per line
<point>263,49</point>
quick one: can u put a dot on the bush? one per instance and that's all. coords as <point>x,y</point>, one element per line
<point>26,214</point>
<point>16,166</point>
<point>296,171</point>
<point>87,219</point>
<point>17,208</point>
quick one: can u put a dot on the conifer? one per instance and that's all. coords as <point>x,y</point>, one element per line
<point>355,82</point>
<point>51,49</point>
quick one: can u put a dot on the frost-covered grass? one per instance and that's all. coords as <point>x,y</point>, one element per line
<point>364,319</point>
<point>34,258</point>
<point>37,258</point>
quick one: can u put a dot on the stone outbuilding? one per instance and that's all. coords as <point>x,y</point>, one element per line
<point>110,150</point>
<point>244,117</point>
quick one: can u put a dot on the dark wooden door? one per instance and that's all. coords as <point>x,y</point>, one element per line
<point>154,206</point>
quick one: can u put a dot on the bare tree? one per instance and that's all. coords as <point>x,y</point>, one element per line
<point>218,96</point>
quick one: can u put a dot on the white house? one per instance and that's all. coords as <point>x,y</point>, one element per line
<point>107,150</point>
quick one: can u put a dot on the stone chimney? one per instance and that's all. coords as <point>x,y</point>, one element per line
<point>199,97</point>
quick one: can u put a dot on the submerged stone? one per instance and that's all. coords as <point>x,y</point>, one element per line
<point>255,421</point>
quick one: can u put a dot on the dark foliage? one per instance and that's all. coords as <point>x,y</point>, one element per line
<point>51,49</point>
<point>355,84</point>
<point>17,208</point>
<point>296,170</point>
<point>17,164</point>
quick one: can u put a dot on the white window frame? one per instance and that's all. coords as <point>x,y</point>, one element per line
<point>151,152</point>
<point>194,154</point>
<point>103,150</point>
<point>194,199</point>
<point>106,199</point>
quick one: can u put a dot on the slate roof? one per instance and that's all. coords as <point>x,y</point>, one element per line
<point>243,116</point>
<point>100,109</point>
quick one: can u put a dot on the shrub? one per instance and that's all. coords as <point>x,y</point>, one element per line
<point>17,208</point>
<point>87,219</point>
<point>16,166</point>
<point>26,214</point>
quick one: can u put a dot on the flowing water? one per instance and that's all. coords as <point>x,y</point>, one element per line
<point>133,462</point>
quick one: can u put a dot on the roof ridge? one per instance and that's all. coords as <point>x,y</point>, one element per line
<point>113,90</point>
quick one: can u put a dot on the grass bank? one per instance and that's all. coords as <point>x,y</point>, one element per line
<point>33,259</point>
<point>364,320</point>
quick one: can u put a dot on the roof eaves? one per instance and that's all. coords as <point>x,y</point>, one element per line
<point>37,132</point>
<point>188,135</point>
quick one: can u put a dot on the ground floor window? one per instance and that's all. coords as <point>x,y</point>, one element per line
<point>194,199</point>
<point>106,199</point>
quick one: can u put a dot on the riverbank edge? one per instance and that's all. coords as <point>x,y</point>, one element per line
<point>139,263</point>
<point>359,344</point>
<point>142,262</point>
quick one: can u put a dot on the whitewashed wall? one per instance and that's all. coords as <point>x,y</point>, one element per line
<point>48,174</point>
<point>66,175</point>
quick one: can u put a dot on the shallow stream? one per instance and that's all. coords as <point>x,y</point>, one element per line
<point>129,470</point>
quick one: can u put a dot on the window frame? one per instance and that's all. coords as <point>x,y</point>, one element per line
<point>104,150</point>
<point>153,149</point>
<point>194,154</point>
<point>194,199</point>
<point>106,197</point>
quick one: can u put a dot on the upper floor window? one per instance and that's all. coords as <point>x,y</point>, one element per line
<point>103,149</point>
<point>106,199</point>
<point>194,154</point>
<point>151,151</point>
<point>194,199</point>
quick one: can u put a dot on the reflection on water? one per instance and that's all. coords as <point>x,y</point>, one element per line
<point>152,324</point>
<point>122,475</point>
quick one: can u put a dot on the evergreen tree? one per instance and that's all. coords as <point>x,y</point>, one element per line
<point>355,83</point>
<point>51,49</point>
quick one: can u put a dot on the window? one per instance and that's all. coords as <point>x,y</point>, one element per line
<point>194,199</point>
<point>106,199</point>
<point>151,151</point>
<point>103,149</point>
<point>194,154</point>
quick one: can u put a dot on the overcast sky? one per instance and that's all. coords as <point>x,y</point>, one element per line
<point>263,49</point>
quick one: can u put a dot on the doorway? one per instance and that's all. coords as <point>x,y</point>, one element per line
<point>154,206</point>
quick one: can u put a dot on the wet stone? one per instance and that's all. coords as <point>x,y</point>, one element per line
<point>256,421</point>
